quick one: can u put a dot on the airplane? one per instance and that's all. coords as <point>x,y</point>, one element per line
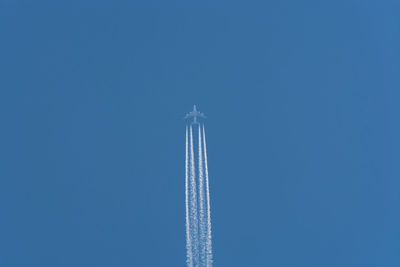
<point>195,114</point>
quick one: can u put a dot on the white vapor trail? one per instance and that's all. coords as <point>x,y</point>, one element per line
<point>203,234</point>
<point>193,201</point>
<point>197,200</point>
<point>189,256</point>
<point>209,235</point>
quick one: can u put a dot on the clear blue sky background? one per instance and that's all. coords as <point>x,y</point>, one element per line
<point>303,131</point>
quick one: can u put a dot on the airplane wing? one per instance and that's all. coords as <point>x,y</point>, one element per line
<point>189,115</point>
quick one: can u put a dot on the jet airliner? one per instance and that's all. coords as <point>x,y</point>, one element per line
<point>195,114</point>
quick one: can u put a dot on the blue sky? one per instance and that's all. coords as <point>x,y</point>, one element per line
<point>303,151</point>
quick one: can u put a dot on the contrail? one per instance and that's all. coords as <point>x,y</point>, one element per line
<point>189,256</point>
<point>193,201</point>
<point>209,236</point>
<point>202,205</point>
<point>197,194</point>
